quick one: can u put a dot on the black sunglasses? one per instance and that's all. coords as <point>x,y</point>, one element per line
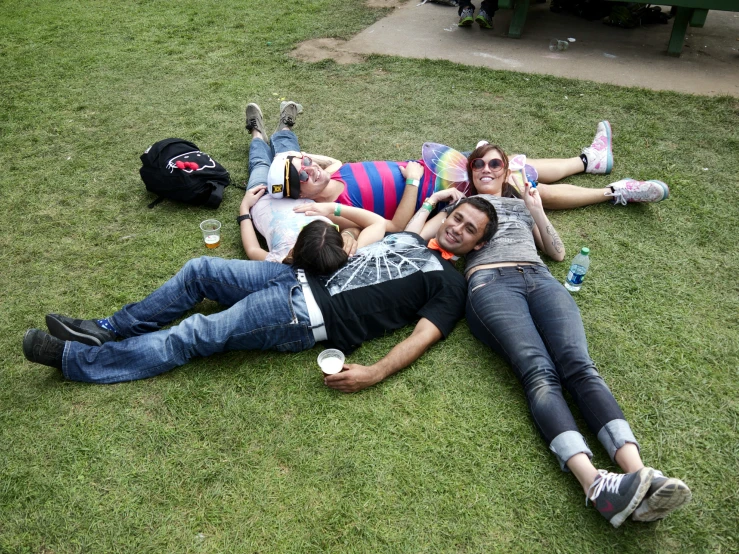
<point>306,162</point>
<point>495,163</point>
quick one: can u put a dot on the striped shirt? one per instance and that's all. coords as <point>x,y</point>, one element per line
<point>378,186</point>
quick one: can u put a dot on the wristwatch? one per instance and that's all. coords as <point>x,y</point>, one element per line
<point>242,218</point>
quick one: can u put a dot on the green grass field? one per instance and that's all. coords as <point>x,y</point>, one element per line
<point>249,452</point>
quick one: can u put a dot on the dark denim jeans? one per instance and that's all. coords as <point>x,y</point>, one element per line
<point>530,319</point>
<point>266,310</point>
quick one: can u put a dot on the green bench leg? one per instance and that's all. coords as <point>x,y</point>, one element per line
<point>518,19</point>
<point>698,18</point>
<point>680,25</point>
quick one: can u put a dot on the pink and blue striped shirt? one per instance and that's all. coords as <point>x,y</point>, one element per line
<point>378,186</point>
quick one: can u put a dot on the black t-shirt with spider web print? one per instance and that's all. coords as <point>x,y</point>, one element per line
<point>386,286</point>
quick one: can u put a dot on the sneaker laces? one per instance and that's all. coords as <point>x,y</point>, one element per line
<point>618,194</point>
<point>605,481</point>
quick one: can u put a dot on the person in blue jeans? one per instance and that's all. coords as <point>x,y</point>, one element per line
<point>386,286</point>
<point>516,307</point>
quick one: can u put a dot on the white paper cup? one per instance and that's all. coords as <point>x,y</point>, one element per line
<point>331,361</point>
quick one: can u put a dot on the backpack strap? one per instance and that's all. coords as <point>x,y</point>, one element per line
<point>157,201</point>
<point>216,196</point>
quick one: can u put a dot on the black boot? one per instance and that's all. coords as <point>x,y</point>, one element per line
<point>42,348</point>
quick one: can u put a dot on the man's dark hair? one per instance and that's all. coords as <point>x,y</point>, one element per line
<point>485,207</point>
<point>319,249</point>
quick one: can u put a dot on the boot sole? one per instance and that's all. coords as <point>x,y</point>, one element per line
<point>63,332</point>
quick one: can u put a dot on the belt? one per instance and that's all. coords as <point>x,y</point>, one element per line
<point>314,312</point>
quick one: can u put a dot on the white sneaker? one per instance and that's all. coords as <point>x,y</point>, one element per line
<point>665,495</point>
<point>600,153</point>
<point>631,190</point>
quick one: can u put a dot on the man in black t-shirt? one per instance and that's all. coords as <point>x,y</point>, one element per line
<point>387,285</point>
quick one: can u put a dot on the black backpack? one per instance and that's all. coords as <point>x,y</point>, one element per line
<point>176,169</point>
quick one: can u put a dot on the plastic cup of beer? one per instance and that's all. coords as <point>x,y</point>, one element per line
<point>331,361</point>
<point>211,229</point>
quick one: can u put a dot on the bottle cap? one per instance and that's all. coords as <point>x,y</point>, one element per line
<point>585,251</point>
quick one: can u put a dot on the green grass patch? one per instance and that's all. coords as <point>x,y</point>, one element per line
<point>249,452</point>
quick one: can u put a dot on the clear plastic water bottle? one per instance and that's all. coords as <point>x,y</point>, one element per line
<point>578,269</point>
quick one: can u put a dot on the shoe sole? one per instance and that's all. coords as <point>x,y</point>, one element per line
<point>673,494</point>
<point>482,23</point>
<point>609,157</point>
<point>61,331</point>
<point>641,492</point>
<point>285,104</point>
<point>466,22</point>
<point>665,189</point>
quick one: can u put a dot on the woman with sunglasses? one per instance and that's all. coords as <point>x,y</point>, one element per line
<point>516,307</point>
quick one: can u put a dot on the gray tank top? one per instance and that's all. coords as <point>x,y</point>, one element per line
<point>514,239</point>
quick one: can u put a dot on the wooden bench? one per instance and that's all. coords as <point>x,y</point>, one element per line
<point>693,13</point>
<point>689,12</point>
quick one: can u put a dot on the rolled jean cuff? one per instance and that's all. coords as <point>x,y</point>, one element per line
<point>614,434</point>
<point>566,445</point>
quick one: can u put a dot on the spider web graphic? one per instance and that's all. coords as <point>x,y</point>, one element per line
<point>395,257</point>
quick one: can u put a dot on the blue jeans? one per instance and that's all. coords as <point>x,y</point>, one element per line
<point>530,319</point>
<point>261,155</point>
<point>266,310</point>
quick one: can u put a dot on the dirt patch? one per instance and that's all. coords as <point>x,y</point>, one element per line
<point>320,49</point>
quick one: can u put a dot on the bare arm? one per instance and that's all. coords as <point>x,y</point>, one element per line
<point>372,225</point>
<point>356,377</point>
<point>407,204</point>
<point>545,235</point>
<point>420,224</point>
<point>248,235</point>
<point>326,162</point>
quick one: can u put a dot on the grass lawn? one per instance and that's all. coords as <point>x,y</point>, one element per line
<point>248,451</point>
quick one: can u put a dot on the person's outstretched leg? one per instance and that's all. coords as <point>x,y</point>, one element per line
<point>267,311</point>
<point>625,191</point>
<point>596,158</point>
<point>558,319</point>
<point>260,153</point>
<point>498,313</point>
<point>284,139</point>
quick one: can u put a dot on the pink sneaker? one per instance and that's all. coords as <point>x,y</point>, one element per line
<point>600,153</point>
<point>630,190</point>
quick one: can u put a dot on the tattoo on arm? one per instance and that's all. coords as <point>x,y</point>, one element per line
<point>418,215</point>
<point>556,241</point>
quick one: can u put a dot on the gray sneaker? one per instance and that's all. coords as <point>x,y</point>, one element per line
<point>484,20</point>
<point>466,17</point>
<point>254,120</point>
<point>616,495</point>
<point>85,331</point>
<point>665,495</point>
<point>289,113</point>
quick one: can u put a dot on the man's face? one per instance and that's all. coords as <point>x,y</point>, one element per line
<point>313,179</point>
<point>462,230</point>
